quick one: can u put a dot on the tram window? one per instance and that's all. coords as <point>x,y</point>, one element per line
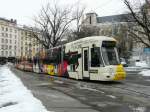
<point>110,56</point>
<point>95,57</point>
<point>85,60</point>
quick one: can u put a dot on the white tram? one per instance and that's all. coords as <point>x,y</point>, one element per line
<point>97,59</point>
<point>93,58</point>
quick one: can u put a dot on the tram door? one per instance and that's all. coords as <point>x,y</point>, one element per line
<point>85,60</point>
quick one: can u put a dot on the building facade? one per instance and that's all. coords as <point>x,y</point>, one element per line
<point>117,26</point>
<point>112,26</point>
<point>8,38</point>
<point>16,41</point>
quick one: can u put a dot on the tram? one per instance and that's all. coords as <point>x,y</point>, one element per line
<point>92,58</point>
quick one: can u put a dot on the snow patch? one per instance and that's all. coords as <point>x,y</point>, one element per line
<point>90,89</point>
<point>141,64</point>
<point>14,96</point>
<point>138,109</point>
<point>145,73</point>
<point>111,96</point>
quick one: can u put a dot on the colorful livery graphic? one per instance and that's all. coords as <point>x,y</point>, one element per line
<point>92,58</point>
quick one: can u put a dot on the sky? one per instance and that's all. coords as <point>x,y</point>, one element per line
<point>25,10</point>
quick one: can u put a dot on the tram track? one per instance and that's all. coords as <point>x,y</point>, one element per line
<point>128,88</point>
<point>133,90</point>
<point>118,88</point>
<point>100,96</point>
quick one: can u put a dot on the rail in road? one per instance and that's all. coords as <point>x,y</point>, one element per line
<point>120,86</point>
<point>100,95</point>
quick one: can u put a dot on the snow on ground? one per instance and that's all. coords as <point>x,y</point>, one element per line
<point>14,96</point>
<point>138,67</point>
<point>145,73</point>
<point>133,68</point>
<point>141,64</point>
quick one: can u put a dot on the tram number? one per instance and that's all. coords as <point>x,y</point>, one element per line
<point>93,71</point>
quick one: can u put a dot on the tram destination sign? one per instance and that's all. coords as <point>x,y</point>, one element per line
<point>108,44</point>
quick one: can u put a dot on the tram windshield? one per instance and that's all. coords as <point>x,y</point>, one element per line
<point>109,53</point>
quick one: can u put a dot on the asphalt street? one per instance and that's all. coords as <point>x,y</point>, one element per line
<point>67,95</point>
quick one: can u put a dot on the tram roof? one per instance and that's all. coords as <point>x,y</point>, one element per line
<point>98,38</point>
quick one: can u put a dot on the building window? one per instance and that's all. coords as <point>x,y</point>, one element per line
<point>2,53</point>
<point>6,52</point>
<point>26,33</point>
<point>6,29</point>
<point>2,40</point>
<point>26,48</point>
<point>10,53</point>
<point>10,30</point>
<point>21,53</point>
<point>90,20</point>
<point>21,32</point>
<point>10,35</point>
<point>3,34</point>
<point>10,41</point>
<point>15,47</point>
<point>6,46</point>
<point>10,47</point>
<point>2,28</point>
<point>6,35</point>
<point>2,46</point>
<point>6,41</point>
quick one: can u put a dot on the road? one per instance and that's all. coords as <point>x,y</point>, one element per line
<point>68,95</point>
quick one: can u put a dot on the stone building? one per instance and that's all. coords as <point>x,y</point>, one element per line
<point>112,26</point>
<point>16,41</point>
<point>29,46</point>
<point>117,26</point>
<point>9,38</point>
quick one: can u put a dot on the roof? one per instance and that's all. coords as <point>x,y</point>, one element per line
<point>116,18</point>
<point>7,20</point>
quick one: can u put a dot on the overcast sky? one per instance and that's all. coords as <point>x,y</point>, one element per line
<point>24,10</point>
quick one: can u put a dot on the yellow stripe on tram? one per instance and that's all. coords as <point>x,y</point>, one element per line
<point>50,69</point>
<point>120,73</point>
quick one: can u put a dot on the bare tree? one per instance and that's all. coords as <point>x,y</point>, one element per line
<point>88,31</point>
<point>78,15</point>
<point>125,43</point>
<point>53,22</point>
<point>139,30</point>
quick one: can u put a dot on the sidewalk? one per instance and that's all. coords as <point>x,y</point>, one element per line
<point>14,96</point>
